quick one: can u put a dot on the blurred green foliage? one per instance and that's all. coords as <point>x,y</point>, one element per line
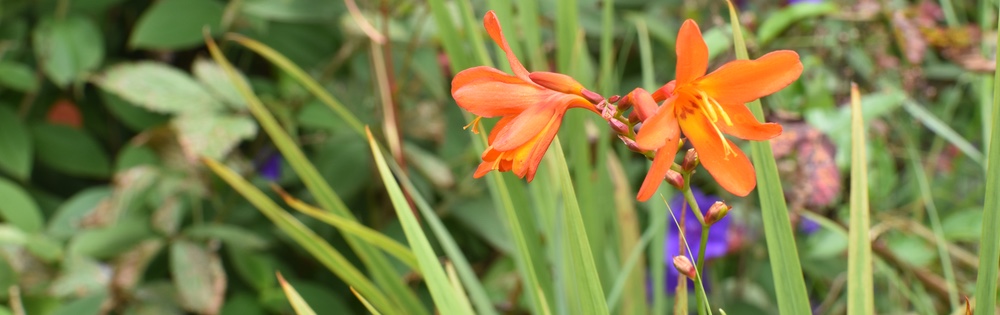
<point>107,106</point>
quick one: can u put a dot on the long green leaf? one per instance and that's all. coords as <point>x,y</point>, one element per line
<point>356,229</point>
<point>445,297</point>
<point>305,237</point>
<point>380,268</point>
<point>789,285</point>
<point>298,304</point>
<point>371,309</point>
<point>583,282</point>
<point>472,284</point>
<point>860,288</point>
<point>989,243</point>
<point>942,129</point>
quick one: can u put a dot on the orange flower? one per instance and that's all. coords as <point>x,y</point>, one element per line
<point>706,107</point>
<point>531,107</point>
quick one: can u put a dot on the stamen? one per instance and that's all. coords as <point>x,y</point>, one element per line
<point>707,108</point>
<point>475,125</point>
<point>725,144</point>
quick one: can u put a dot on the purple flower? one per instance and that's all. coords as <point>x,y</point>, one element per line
<point>270,168</point>
<point>717,245</point>
<point>808,226</point>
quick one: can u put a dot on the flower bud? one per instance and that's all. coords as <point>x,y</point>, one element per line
<point>718,211</point>
<point>614,99</point>
<point>618,126</point>
<point>630,144</point>
<point>633,117</point>
<point>609,112</point>
<point>685,267</point>
<point>674,178</point>
<point>557,82</point>
<point>592,96</point>
<point>690,160</point>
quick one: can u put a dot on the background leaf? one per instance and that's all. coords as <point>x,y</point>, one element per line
<point>158,87</point>
<point>176,24</point>
<point>212,135</point>
<point>68,47</point>
<point>70,151</point>
<point>15,145</point>
<point>198,275</point>
<point>17,76</point>
<point>18,208</point>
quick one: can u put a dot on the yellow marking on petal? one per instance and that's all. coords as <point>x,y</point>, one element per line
<point>474,124</point>
<point>711,102</point>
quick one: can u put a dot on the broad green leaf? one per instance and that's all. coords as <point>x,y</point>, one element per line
<point>293,10</point>
<point>963,225</point>
<point>11,235</point>
<point>445,298</point>
<point>18,208</point>
<point>300,305</point>
<point>860,287</point>
<point>17,76</point>
<point>176,24</point>
<point>256,269</point>
<point>198,275</point>
<point>132,156</point>
<point>66,221</point>
<point>78,274</point>
<point>242,304</point>
<point>109,241</point>
<point>133,116</point>
<point>15,145</point>
<point>217,82</point>
<point>158,87</point>
<point>68,47</point>
<point>780,21</point>
<point>88,305</point>
<point>70,151</point>
<point>229,234</point>
<point>212,135</point>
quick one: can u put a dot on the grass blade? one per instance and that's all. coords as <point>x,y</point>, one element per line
<point>785,266</point>
<point>445,297</point>
<point>583,283</point>
<point>367,305</point>
<point>473,286</point>
<point>380,268</point>
<point>989,243</point>
<point>298,304</point>
<point>631,273</point>
<point>943,130</point>
<point>860,288</point>
<point>314,244</point>
<point>348,227</point>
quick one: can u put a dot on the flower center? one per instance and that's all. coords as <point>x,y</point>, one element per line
<point>695,99</point>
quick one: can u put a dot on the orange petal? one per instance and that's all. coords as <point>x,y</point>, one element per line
<point>488,92</point>
<point>692,53</point>
<point>733,172</point>
<point>742,81</point>
<point>661,164</point>
<point>497,127</point>
<point>745,125</point>
<point>557,82</point>
<point>493,28</point>
<point>526,126</point>
<point>665,91</point>
<point>659,129</point>
<point>539,147</point>
<point>484,167</point>
<point>644,104</point>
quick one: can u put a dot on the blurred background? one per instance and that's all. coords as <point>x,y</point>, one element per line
<point>107,106</point>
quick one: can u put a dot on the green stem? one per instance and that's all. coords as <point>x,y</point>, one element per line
<point>702,304</point>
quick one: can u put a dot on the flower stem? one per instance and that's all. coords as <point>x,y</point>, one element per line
<point>699,266</point>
